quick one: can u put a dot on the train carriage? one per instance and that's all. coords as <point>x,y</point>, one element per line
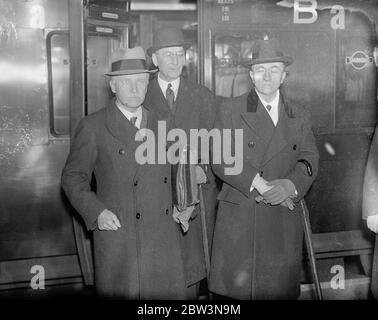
<point>53,54</point>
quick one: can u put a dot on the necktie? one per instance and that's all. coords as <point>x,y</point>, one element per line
<point>269,107</point>
<point>133,120</point>
<point>170,96</point>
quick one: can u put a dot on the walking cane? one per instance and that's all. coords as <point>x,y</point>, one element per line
<point>374,272</point>
<point>204,235</point>
<point>310,249</point>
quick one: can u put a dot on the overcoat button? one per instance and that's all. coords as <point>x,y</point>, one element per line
<point>137,216</point>
<point>261,173</point>
<point>165,179</point>
<point>251,144</point>
<point>121,151</point>
<point>135,183</point>
<point>166,211</point>
<point>295,147</point>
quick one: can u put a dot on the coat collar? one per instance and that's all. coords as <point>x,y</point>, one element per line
<point>119,126</point>
<point>253,101</point>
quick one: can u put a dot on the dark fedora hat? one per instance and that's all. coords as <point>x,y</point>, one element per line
<point>129,61</point>
<point>168,37</point>
<point>265,51</point>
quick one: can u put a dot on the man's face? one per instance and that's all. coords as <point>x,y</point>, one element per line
<point>130,90</point>
<point>170,62</point>
<point>267,78</point>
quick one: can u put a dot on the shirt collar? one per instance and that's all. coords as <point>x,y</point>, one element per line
<point>273,103</point>
<point>138,113</point>
<point>164,85</point>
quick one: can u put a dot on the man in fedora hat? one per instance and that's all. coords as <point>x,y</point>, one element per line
<point>257,247</point>
<point>136,243</point>
<point>187,105</point>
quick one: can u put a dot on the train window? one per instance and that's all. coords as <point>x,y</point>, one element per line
<point>310,82</point>
<point>357,84</point>
<point>99,52</point>
<point>310,77</point>
<point>231,77</point>
<point>58,69</point>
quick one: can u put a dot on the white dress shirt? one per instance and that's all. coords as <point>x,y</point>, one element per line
<point>274,112</point>
<point>164,85</point>
<point>138,113</point>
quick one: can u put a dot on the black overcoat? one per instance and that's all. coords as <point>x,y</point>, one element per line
<point>143,259</point>
<point>194,109</point>
<point>257,248</point>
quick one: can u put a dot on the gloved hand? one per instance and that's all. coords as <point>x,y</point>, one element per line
<point>282,189</point>
<point>288,203</point>
<point>183,217</point>
<point>372,223</point>
<point>200,175</point>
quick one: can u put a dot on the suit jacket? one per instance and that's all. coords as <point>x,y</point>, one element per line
<point>194,109</point>
<point>370,189</point>
<point>257,248</point>
<point>143,258</point>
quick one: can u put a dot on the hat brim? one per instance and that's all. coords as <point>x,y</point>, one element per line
<point>285,60</point>
<point>185,45</point>
<point>128,72</point>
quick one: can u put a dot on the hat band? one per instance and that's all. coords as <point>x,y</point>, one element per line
<point>129,64</point>
<point>277,54</point>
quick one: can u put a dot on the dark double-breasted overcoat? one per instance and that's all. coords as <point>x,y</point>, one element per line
<point>257,248</point>
<point>193,109</point>
<point>143,259</point>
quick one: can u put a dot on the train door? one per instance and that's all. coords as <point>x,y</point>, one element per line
<point>333,75</point>
<point>52,59</point>
<point>36,235</point>
<point>100,27</point>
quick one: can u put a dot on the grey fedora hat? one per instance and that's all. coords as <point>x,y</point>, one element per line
<point>129,61</point>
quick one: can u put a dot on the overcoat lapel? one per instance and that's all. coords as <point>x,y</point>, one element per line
<point>118,125</point>
<point>184,106</point>
<point>121,129</point>
<point>254,115</point>
<point>149,123</point>
<point>258,120</point>
<point>158,102</point>
<point>286,129</point>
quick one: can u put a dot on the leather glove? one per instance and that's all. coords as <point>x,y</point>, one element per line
<point>282,189</point>
<point>288,203</point>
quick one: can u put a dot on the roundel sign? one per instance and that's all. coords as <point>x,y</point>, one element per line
<point>359,60</point>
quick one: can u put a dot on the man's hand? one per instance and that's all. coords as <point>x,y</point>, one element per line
<point>200,175</point>
<point>282,189</point>
<point>372,223</point>
<point>288,203</point>
<point>183,217</point>
<point>107,220</point>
